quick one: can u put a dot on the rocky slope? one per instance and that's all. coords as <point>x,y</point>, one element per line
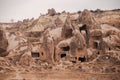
<point>87,41</point>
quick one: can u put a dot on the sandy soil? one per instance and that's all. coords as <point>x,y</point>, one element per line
<point>59,75</point>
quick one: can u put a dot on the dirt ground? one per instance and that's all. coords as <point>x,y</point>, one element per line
<point>59,75</point>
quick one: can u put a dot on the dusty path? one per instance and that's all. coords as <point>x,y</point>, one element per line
<point>58,75</point>
<point>21,73</point>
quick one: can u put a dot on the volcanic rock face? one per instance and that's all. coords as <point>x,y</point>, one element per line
<point>66,40</point>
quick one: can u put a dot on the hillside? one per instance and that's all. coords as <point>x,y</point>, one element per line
<point>85,42</point>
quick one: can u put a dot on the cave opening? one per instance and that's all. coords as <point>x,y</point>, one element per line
<point>109,48</point>
<point>98,52</point>
<point>35,54</point>
<point>82,59</point>
<point>63,55</point>
<point>66,48</point>
<point>96,45</point>
<point>73,61</point>
<point>42,53</point>
<point>83,28</point>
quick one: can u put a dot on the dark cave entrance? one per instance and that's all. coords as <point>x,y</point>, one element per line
<point>98,52</point>
<point>109,48</point>
<point>83,28</point>
<point>63,55</point>
<point>66,48</point>
<point>96,45</point>
<point>35,54</point>
<point>82,59</point>
<point>42,53</point>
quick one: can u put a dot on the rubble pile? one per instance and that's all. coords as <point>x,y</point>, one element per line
<point>83,41</point>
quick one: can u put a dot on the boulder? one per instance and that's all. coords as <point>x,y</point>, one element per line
<point>51,12</point>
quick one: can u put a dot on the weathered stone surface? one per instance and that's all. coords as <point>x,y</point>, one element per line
<point>51,12</point>
<point>59,22</point>
<point>25,60</point>
<point>3,43</point>
<point>64,41</point>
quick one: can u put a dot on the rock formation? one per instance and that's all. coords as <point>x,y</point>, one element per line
<point>3,44</point>
<point>52,40</point>
<point>51,12</point>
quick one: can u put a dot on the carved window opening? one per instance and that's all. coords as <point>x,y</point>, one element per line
<point>83,28</point>
<point>73,61</point>
<point>109,48</point>
<point>98,52</point>
<point>96,45</point>
<point>35,54</point>
<point>82,59</point>
<point>66,48</point>
<point>63,55</point>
